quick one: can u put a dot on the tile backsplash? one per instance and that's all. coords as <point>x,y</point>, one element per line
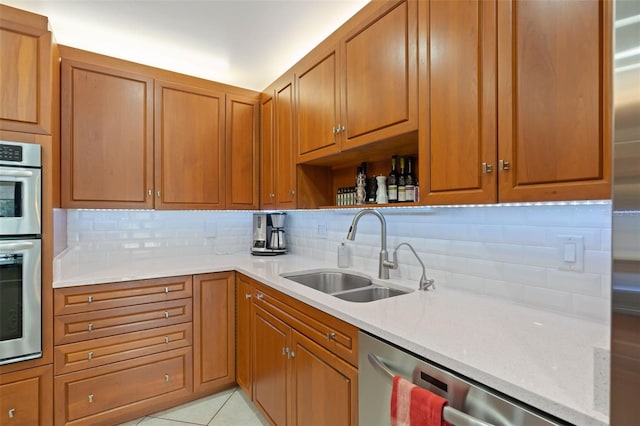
<point>510,252</point>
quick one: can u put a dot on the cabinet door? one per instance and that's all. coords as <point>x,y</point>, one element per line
<point>25,72</point>
<point>285,168</point>
<point>324,388</point>
<point>189,147</point>
<point>318,105</point>
<point>242,152</point>
<point>267,154</point>
<point>554,89</point>
<point>106,136</point>
<point>243,333</point>
<point>270,366</point>
<point>379,90</point>
<point>459,101</point>
<point>214,331</point>
<point>27,397</point>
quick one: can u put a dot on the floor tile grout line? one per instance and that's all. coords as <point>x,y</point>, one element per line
<point>222,406</point>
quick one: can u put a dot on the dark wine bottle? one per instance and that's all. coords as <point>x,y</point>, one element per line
<point>410,181</point>
<point>392,181</point>
<point>402,195</point>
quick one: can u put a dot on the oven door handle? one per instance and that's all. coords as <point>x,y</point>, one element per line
<point>450,414</point>
<point>16,173</point>
<point>16,246</point>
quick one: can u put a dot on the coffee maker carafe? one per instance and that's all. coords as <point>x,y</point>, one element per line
<point>268,234</point>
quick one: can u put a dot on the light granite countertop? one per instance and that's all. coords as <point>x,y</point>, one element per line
<point>555,363</point>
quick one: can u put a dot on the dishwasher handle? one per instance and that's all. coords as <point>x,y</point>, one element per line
<point>450,414</point>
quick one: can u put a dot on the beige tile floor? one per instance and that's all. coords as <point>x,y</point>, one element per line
<point>227,408</point>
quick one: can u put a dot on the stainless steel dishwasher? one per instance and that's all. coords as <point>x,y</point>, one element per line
<point>470,404</point>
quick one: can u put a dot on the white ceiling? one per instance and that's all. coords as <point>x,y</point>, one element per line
<point>246,43</point>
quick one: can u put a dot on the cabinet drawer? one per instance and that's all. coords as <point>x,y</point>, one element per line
<point>328,331</point>
<point>108,393</point>
<point>87,298</point>
<point>110,322</point>
<point>97,352</point>
<point>26,397</point>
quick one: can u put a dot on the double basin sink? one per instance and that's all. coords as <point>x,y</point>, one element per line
<point>343,285</point>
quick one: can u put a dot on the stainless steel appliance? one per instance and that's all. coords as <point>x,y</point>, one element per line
<point>625,280</point>
<point>269,234</point>
<point>20,252</point>
<point>470,404</point>
<point>20,300</point>
<point>20,189</point>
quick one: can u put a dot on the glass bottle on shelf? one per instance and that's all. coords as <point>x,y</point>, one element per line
<point>392,183</point>
<point>402,195</point>
<point>410,181</point>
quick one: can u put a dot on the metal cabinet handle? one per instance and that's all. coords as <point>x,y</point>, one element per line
<point>504,165</point>
<point>166,377</point>
<point>12,412</point>
<point>90,355</point>
<point>166,290</point>
<point>260,296</point>
<point>90,398</point>
<point>292,192</point>
<point>272,195</point>
<point>90,326</point>
<point>487,168</point>
<point>149,192</point>
<point>166,314</point>
<point>331,336</point>
<point>89,299</point>
<point>285,351</point>
<point>166,339</point>
<point>247,296</point>
<point>158,194</point>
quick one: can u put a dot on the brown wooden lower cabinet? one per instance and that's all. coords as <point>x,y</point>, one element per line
<point>26,397</point>
<point>303,368</point>
<point>243,334</point>
<point>128,349</point>
<point>123,390</point>
<point>214,331</point>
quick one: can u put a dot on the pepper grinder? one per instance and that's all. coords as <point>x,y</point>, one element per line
<point>381,195</point>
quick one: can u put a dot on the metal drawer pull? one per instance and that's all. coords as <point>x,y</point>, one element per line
<point>149,192</point>
<point>504,165</point>
<point>260,296</point>
<point>90,398</point>
<point>90,355</point>
<point>158,194</point>
<point>90,326</point>
<point>166,339</point>
<point>450,414</point>
<point>247,296</point>
<point>166,377</point>
<point>12,412</point>
<point>166,314</point>
<point>285,351</point>
<point>331,336</point>
<point>90,299</point>
<point>487,168</point>
<point>166,290</point>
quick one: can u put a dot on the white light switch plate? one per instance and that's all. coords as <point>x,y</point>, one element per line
<point>571,253</point>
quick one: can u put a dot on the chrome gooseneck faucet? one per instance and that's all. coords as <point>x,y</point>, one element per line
<point>384,264</point>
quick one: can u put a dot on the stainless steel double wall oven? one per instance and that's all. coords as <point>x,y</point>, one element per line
<point>20,252</point>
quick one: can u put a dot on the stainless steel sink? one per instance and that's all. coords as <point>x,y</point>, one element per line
<point>343,285</point>
<point>330,281</point>
<point>370,294</point>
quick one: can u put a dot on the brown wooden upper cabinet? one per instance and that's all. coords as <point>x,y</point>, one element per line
<point>545,136</point>
<point>278,176</point>
<point>189,147</point>
<point>137,137</point>
<point>26,72</point>
<point>361,87</point>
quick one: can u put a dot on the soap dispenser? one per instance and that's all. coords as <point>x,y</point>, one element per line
<point>344,255</point>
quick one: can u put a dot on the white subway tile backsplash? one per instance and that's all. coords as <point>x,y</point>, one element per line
<point>510,252</point>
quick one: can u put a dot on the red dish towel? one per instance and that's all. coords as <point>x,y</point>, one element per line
<point>412,405</point>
